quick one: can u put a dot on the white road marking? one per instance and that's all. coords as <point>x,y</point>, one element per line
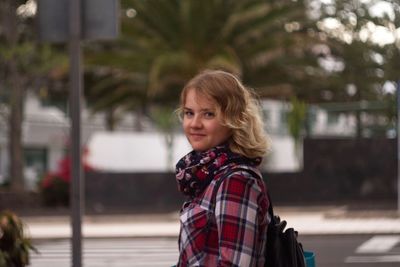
<point>376,244</point>
<point>379,244</point>
<point>373,259</point>
<point>108,253</point>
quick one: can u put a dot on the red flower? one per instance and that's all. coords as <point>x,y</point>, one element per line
<point>48,180</point>
<point>64,170</point>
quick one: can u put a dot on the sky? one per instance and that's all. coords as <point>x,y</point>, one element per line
<point>375,33</point>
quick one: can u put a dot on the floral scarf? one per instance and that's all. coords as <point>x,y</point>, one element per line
<point>196,170</point>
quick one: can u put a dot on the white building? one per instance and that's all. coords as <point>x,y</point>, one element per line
<point>46,132</point>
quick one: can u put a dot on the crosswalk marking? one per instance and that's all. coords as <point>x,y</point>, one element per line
<point>379,244</point>
<point>373,259</point>
<point>108,253</point>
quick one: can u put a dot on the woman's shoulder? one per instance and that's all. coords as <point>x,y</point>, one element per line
<point>238,176</point>
<point>241,171</point>
<point>240,183</point>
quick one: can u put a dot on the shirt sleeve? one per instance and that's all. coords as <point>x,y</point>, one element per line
<point>236,213</point>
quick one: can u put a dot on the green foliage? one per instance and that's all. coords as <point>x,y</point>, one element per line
<point>165,43</point>
<point>296,118</point>
<point>15,247</point>
<point>367,64</point>
<point>25,65</point>
<point>165,118</point>
<point>166,121</point>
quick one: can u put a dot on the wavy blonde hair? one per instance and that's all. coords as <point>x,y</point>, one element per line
<point>238,107</point>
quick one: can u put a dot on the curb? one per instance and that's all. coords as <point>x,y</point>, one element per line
<point>306,223</point>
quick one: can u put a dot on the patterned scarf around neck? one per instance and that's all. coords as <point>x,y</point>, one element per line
<point>196,170</point>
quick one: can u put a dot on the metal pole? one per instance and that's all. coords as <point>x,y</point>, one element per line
<point>398,146</point>
<point>75,144</point>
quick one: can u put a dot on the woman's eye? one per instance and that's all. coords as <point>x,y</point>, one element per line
<point>209,115</point>
<point>188,113</point>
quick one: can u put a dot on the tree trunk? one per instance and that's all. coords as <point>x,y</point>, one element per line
<point>15,132</point>
<point>138,116</point>
<point>110,119</point>
<point>169,141</point>
<point>15,85</point>
<point>359,126</point>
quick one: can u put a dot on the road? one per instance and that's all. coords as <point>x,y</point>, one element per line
<point>108,253</point>
<point>354,250</point>
<point>331,251</point>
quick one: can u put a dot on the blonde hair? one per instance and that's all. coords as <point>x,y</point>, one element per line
<point>238,107</point>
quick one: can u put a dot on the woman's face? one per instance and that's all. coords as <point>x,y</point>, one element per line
<point>202,126</point>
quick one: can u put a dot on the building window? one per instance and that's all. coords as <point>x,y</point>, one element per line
<point>36,160</point>
<point>333,118</point>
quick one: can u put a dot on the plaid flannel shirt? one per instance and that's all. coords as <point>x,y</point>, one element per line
<point>232,234</point>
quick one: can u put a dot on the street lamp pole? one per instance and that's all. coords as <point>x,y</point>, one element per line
<point>89,20</point>
<point>75,144</point>
<point>398,146</point>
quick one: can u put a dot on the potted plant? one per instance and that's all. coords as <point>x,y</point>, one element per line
<point>15,247</point>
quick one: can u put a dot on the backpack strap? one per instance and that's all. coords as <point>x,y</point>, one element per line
<point>254,173</point>
<point>258,176</point>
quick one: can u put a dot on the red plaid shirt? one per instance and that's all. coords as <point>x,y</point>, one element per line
<point>232,234</point>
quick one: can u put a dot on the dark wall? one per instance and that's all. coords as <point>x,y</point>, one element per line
<point>334,170</point>
<point>343,171</point>
<point>142,192</point>
<point>351,168</point>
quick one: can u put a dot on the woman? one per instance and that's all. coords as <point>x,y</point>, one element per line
<point>224,222</point>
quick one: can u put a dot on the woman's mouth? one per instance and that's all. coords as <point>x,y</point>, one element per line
<point>196,136</point>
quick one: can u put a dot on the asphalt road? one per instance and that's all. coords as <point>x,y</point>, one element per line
<point>354,250</point>
<point>330,250</point>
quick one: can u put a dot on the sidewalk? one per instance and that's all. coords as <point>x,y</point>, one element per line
<point>315,220</point>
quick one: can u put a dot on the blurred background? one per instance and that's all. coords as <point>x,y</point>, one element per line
<point>326,72</point>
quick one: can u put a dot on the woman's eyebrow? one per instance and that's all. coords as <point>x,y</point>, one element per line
<point>207,110</point>
<point>201,110</point>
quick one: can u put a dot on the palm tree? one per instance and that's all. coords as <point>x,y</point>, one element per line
<point>243,37</point>
<point>114,92</point>
<point>167,42</point>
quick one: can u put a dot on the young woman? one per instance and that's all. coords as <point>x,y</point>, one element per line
<point>224,222</point>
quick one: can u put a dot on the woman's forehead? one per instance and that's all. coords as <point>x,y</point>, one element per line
<point>199,98</point>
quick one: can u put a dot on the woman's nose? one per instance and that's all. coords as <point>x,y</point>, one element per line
<point>196,122</point>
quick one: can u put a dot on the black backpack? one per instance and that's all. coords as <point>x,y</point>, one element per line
<point>282,248</point>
